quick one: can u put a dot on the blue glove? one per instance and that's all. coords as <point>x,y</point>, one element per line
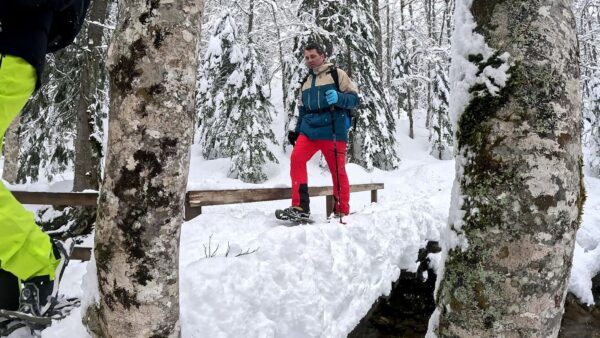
<point>331,96</point>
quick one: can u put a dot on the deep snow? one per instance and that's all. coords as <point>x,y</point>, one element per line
<point>314,280</point>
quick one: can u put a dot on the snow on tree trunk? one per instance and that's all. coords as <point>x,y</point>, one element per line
<point>11,151</point>
<point>518,193</point>
<point>88,142</point>
<point>152,66</point>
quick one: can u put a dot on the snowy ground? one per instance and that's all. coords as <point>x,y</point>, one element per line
<point>314,280</point>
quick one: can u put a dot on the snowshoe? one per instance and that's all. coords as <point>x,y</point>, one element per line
<point>39,294</point>
<point>294,214</point>
<point>11,321</point>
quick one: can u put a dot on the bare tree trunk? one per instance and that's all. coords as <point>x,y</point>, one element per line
<point>518,193</point>
<point>11,151</point>
<point>251,19</point>
<point>378,35</point>
<point>409,96</point>
<point>284,76</point>
<point>388,47</point>
<point>430,23</point>
<point>411,124</point>
<point>152,66</point>
<point>88,150</point>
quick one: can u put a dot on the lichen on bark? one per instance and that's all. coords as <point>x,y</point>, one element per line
<point>520,178</point>
<point>152,66</point>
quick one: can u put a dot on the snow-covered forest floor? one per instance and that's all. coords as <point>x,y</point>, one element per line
<point>314,280</point>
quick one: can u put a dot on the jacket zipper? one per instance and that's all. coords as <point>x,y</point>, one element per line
<point>1,58</point>
<point>308,100</point>
<point>318,99</point>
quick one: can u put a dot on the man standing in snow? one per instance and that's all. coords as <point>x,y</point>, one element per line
<point>327,96</point>
<point>28,30</point>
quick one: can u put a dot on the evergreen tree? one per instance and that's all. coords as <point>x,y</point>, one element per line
<point>234,108</point>
<point>372,142</point>
<point>588,29</point>
<point>440,132</point>
<point>400,82</point>
<point>592,117</point>
<point>48,121</point>
<point>213,74</point>
<point>248,127</point>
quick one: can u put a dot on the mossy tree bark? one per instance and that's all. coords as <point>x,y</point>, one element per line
<point>518,191</point>
<point>152,66</point>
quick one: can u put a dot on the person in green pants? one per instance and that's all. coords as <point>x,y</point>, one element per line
<point>29,259</point>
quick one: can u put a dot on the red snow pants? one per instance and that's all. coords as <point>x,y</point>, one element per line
<point>302,153</point>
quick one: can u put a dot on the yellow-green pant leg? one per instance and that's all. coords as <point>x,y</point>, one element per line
<point>25,250</point>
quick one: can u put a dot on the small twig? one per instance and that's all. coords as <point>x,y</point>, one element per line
<point>228,248</point>
<point>247,252</point>
<point>208,252</point>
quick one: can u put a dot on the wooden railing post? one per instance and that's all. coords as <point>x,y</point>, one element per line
<point>373,196</point>
<point>329,204</point>
<point>191,212</point>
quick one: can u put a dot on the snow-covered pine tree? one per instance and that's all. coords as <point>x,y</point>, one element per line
<point>592,118</point>
<point>213,75</point>
<point>235,112</point>
<point>440,132</point>
<point>588,27</point>
<point>249,120</point>
<point>48,120</point>
<point>372,142</point>
<point>401,84</point>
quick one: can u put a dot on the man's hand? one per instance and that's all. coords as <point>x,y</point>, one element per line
<point>292,137</point>
<point>331,96</point>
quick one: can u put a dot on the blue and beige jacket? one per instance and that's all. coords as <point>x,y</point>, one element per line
<point>315,119</point>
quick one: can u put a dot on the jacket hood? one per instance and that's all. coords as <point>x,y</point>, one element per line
<point>322,68</point>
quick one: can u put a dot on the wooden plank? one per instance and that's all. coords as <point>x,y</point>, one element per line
<point>57,198</point>
<point>219,197</point>
<point>194,198</point>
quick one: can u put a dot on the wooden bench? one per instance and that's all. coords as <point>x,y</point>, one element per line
<point>195,200</point>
